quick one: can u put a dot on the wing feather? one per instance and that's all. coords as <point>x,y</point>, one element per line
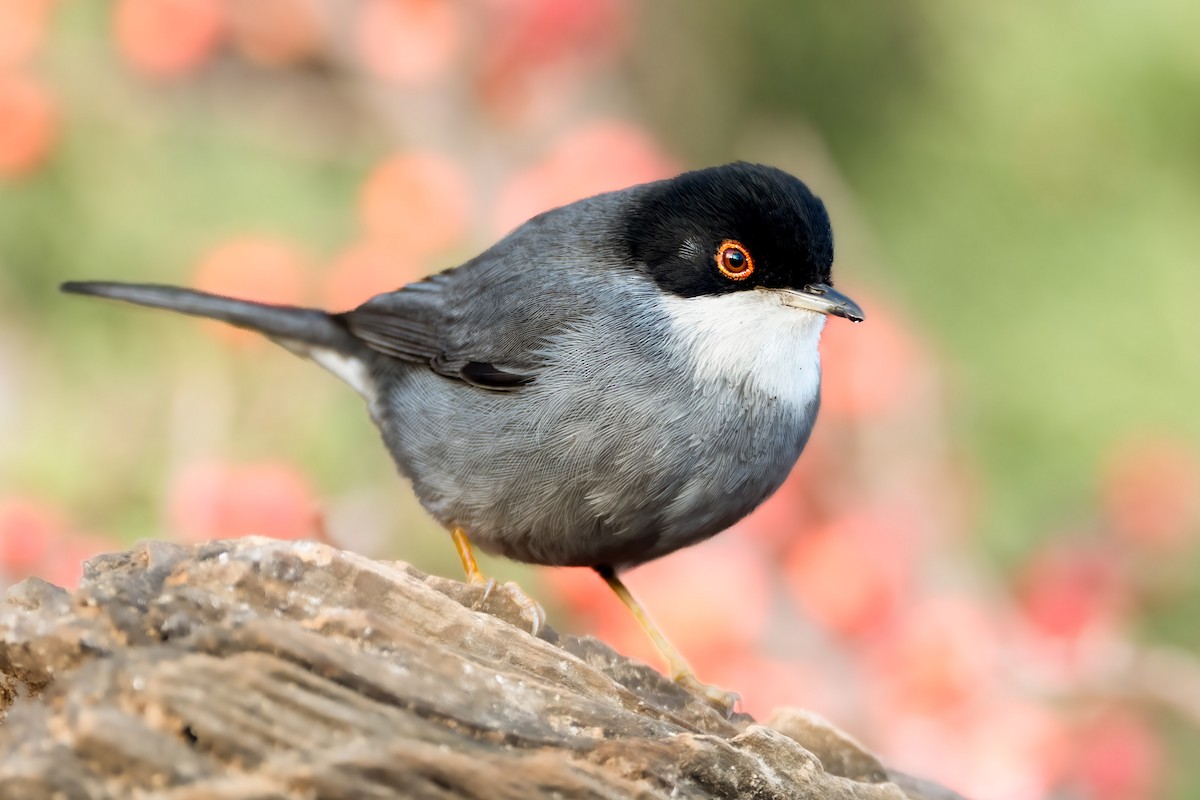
<point>413,324</point>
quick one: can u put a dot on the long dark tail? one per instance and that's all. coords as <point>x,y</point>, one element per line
<point>289,325</point>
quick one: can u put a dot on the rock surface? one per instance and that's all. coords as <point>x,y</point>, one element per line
<point>254,669</point>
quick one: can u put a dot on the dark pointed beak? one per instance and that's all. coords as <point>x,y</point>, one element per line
<point>824,299</point>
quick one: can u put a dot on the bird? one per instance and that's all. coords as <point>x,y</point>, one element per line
<point>613,380</point>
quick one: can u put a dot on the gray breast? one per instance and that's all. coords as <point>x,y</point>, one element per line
<point>617,454</point>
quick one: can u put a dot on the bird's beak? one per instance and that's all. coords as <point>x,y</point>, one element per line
<point>824,299</point>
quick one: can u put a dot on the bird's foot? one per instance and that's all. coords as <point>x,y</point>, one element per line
<point>718,698</point>
<point>528,610</point>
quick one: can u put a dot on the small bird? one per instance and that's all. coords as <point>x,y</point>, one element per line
<point>614,380</point>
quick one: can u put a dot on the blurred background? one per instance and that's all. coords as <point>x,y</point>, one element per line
<point>985,565</point>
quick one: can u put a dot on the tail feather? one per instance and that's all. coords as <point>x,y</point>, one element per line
<point>290,325</point>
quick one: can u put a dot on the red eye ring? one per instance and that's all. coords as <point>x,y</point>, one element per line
<point>734,260</point>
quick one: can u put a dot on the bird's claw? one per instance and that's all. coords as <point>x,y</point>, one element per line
<point>723,701</point>
<point>528,609</point>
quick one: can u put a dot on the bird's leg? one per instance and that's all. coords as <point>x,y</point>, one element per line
<point>463,545</point>
<point>675,662</point>
<point>528,608</point>
<point>680,672</point>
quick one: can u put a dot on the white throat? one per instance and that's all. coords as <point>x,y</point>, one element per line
<point>751,339</point>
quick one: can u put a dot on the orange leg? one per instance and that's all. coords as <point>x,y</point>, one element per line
<point>463,545</point>
<point>526,605</point>
<point>680,672</point>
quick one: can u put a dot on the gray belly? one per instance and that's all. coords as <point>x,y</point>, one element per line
<point>583,473</point>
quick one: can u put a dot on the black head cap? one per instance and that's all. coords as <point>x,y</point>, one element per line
<point>680,229</point>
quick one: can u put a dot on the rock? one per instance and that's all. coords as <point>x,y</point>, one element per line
<point>254,669</point>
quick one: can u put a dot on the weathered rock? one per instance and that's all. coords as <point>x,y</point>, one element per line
<point>256,669</point>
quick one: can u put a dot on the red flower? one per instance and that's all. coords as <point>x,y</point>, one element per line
<point>1152,493</point>
<point>410,42</point>
<point>261,268</point>
<point>275,32</point>
<point>213,500</point>
<point>869,369</point>
<point>28,530</point>
<point>599,156</point>
<point>22,29</point>
<point>1067,589</point>
<point>366,270</point>
<point>27,124</point>
<point>416,203</point>
<point>1119,757</point>
<point>942,656</point>
<point>167,38</point>
<point>850,574</point>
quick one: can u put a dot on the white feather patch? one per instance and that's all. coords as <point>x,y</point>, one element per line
<point>347,368</point>
<point>752,339</point>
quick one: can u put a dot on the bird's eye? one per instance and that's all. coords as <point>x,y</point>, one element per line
<point>734,260</point>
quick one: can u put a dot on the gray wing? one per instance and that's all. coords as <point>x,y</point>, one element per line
<point>488,321</point>
<point>484,323</point>
<point>431,323</point>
